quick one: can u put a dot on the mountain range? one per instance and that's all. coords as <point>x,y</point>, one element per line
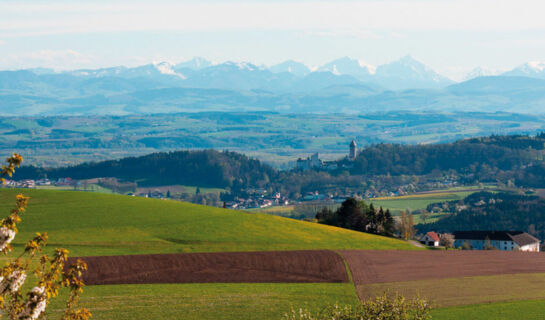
<point>342,85</point>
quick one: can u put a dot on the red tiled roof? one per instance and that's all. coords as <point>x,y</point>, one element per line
<point>433,235</point>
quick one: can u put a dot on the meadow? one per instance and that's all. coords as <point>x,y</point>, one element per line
<point>421,200</point>
<point>89,223</point>
<point>527,310</point>
<point>229,301</point>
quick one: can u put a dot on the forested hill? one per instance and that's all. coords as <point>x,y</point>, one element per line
<point>208,168</point>
<point>385,166</point>
<point>496,152</point>
<point>492,211</point>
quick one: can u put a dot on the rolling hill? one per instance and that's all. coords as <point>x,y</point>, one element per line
<point>101,224</point>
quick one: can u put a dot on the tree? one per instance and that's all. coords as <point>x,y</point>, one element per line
<point>326,216</point>
<point>424,215</point>
<point>198,190</point>
<point>446,240</point>
<point>389,224</point>
<point>356,215</point>
<point>168,194</point>
<point>350,216</point>
<point>372,221</point>
<point>406,225</point>
<point>52,273</point>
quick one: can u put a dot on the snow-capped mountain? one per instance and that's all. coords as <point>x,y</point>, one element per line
<point>533,69</point>
<point>155,69</point>
<point>196,63</point>
<point>291,66</point>
<point>409,73</point>
<point>351,67</point>
<point>239,76</point>
<point>482,72</point>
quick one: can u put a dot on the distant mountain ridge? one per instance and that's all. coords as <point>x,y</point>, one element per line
<point>343,85</point>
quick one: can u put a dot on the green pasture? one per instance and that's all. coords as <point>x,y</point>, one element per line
<point>417,201</point>
<point>90,223</point>
<point>527,310</point>
<point>193,190</point>
<point>227,301</point>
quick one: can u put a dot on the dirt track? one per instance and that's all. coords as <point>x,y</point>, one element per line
<point>391,266</point>
<point>272,266</point>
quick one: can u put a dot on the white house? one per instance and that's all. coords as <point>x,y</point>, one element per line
<point>501,240</point>
<point>430,239</point>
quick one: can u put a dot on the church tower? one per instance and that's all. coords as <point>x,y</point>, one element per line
<point>353,150</point>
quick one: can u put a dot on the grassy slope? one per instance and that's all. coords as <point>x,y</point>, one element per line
<point>210,301</point>
<point>527,310</point>
<point>102,224</point>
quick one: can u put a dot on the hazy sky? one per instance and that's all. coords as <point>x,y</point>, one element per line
<point>451,36</point>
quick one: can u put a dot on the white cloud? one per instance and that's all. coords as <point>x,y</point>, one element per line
<point>23,19</point>
<point>355,34</point>
<point>68,59</point>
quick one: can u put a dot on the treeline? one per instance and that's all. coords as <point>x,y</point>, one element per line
<point>357,215</point>
<point>378,170</point>
<point>492,211</point>
<point>464,156</point>
<point>207,168</point>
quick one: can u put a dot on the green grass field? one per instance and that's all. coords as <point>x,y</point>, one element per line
<point>527,310</point>
<point>417,201</point>
<point>89,223</point>
<point>242,301</point>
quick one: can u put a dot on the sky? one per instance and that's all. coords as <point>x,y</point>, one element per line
<point>451,36</point>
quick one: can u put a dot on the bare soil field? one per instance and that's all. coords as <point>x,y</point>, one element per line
<point>463,290</point>
<point>370,266</point>
<point>227,267</point>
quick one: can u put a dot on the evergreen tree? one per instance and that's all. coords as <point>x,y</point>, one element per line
<point>349,215</point>
<point>372,226</point>
<point>168,194</point>
<point>389,224</point>
<point>326,216</point>
<point>380,220</point>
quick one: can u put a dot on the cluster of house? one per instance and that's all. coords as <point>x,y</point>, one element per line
<point>481,240</point>
<point>262,201</point>
<point>151,194</point>
<point>30,183</point>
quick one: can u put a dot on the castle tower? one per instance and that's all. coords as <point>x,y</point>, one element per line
<point>353,149</point>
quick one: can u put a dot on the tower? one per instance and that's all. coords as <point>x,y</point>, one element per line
<point>353,149</point>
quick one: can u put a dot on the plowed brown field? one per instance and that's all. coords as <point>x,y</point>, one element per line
<point>393,266</point>
<point>270,266</point>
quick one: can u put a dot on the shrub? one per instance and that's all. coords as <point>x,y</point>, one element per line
<point>380,308</point>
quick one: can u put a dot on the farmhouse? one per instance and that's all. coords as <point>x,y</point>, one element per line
<point>430,239</point>
<point>501,240</point>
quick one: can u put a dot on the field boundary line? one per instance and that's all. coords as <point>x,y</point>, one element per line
<point>349,273</point>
